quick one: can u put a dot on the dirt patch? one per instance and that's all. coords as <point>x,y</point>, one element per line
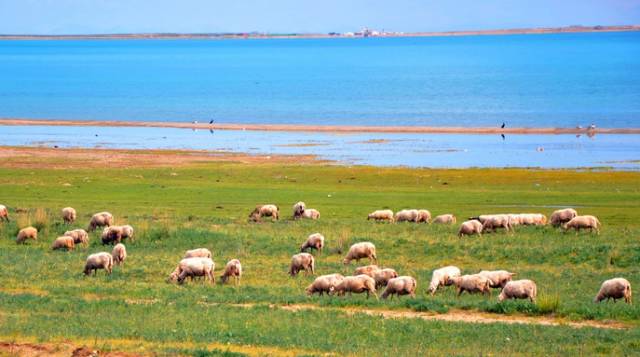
<point>301,145</point>
<point>43,157</point>
<point>65,349</point>
<point>465,316</point>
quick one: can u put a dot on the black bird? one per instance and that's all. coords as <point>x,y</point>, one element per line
<point>502,136</point>
<point>211,122</point>
<point>211,131</point>
<point>502,127</point>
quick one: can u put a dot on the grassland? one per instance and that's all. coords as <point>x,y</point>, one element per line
<point>45,298</point>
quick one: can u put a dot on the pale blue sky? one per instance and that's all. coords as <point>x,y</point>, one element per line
<point>130,16</point>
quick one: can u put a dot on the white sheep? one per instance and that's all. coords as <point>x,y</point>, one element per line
<point>440,277</point>
<point>616,288</point>
<point>102,260</point>
<point>361,250</point>
<point>119,254</point>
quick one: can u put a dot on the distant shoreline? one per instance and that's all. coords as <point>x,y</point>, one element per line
<point>222,36</point>
<point>319,128</point>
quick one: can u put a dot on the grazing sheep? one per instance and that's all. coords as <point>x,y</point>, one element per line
<point>406,215</point>
<point>97,261</point>
<point>232,269</point>
<point>423,216</point>
<point>383,276</point>
<point>402,285</point>
<point>193,267</point>
<point>493,222</point>
<point>381,215</point>
<point>27,233</point>
<point>127,232</point>
<point>4,213</point>
<point>361,250</point>
<point>298,209</point>
<point>64,242</point>
<point>68,215</point>
<point>440,277</point>
<point>515,219</point>
<point>119,254</point>
<point>116,234</point>
<point>470,227</point>
<point>101,219</point>
<point>532,219</point>
<point>314,241</point>
<point>583,222</point>
<point>324,284</point>
<point>198,253</point>
<point>519,289</point>
<point>369,270</point>
<point>497,278</point>
<point>311,213</point>
<point>471,284</point>
<point>356,284</point>
<point>445,219</point>
<point>80,236</point>
<point>617,288</point>
<point>562,216</point>
<point>302,261</point>
<point>264,211</point>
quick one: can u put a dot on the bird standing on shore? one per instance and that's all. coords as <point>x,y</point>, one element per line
<point>502,136</point>
<point>503,125</point>
<point>211,121</point>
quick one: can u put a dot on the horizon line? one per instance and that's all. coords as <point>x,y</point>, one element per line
<point>331,34</point>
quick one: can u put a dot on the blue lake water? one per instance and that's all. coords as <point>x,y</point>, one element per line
<point>524,80</point>
<point>380,149</point>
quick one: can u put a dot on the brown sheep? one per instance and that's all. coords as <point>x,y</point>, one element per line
<point>314,241</point>
<point>470,227</point>
<point>264,211</point>
<point>381,215</point>
<point>361,250</point>
<point>445,219</point>
<point>119,254</point>
<point>232,269</point>
<point>403,285</point>
<point>302,261</point>
<point>324,284</point>
<point>583,222</point>
<point>198,253</point>
<point>562,216</point>
<point>101,219</point>
<point>440,277</point>
<point>80,236</point>
<point>4,213</point>
<point>519,289</point>
<point>616,288</point>
<point>27,233</point>
<point>97,261</point>
<point>497,278</point>
<point>471,284</point>
<point>64,242</point>
<point>68,215</point>
<point>356,284</point>
<point>369,270</point>
<point>383,276</point>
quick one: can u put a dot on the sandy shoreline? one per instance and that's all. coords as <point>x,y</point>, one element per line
<point>320,128</point>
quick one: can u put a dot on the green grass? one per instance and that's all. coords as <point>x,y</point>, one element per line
<point>44,295</point>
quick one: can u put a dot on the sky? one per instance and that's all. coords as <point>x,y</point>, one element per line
<point>304,16</point>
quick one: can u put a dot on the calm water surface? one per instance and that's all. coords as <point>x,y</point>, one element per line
<point>523,80</point>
